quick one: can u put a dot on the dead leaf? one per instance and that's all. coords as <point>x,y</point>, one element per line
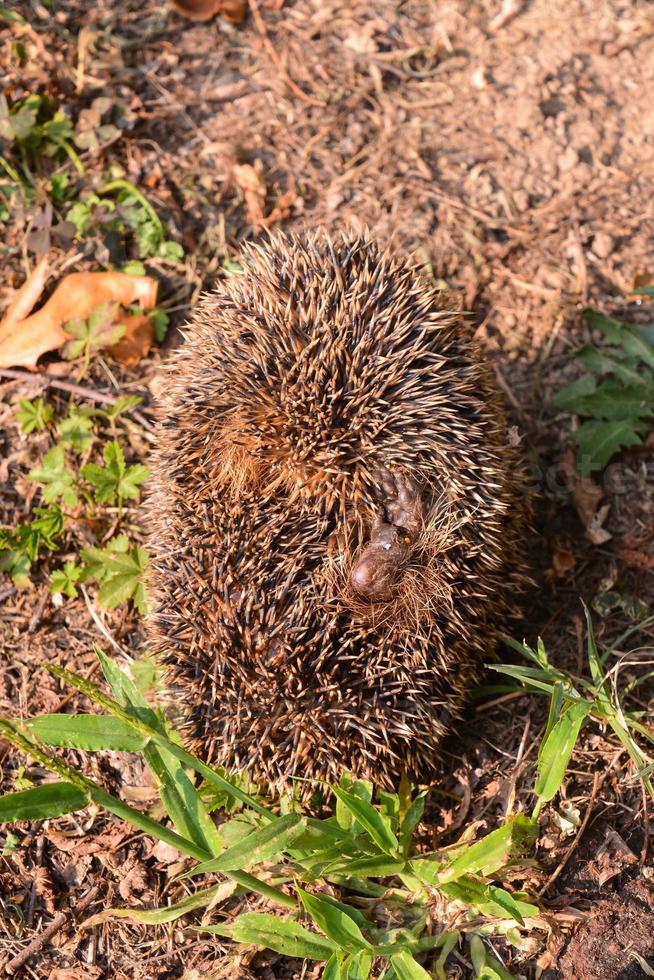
<point>587,498</point>
<point>200,10</point>
<point>563,560</point>
<point>249,180</point>
<point>636,558</point>
<point>134,882</point>
<point>24,338</point>
<point>136,342</point>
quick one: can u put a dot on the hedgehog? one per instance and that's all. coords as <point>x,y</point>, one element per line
<point>338,516</point>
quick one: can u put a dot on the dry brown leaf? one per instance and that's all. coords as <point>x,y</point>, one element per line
<point>250,181</point>
<point>23,338</point>
<point>136,342</point>
<point>587,498</point>
<point>200,10</point>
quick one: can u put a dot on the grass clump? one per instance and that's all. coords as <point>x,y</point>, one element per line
<point>352,889</point>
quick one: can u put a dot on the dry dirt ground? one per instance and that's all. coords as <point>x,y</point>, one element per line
<point>513,154</point>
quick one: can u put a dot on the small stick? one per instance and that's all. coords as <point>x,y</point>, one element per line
<point>261,27</point>
<point>35,945</point>
<point>101,626</point>
<point>566,857</point>
<point>43,937</point>
<point>89,393</point>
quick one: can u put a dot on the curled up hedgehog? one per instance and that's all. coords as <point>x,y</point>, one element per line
<point>337,514</point>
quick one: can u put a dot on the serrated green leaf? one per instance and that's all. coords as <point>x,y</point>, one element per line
<point>283,936</point>
<point>92,733</point>
<point>598,441</point>
<point>571,394</point>
<point>41,802</point>
<point>76,432</point>
<point>264,844</point>
<point>34,415</point>
<point>610,327</point>
<point>168,913</point>
<point>65,579</point>
<point>58,482</point>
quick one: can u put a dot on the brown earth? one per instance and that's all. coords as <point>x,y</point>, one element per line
<point>516,161</point>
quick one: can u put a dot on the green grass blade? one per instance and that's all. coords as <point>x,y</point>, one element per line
<point>283,936</point>
<point>373,822</point>
<point>556,751</point>
<point>263,845</point>
<point>98,696</point>
<point>336,922</point>
<point>87,732</point>
<point>406,968</point>
<point>42,802</point>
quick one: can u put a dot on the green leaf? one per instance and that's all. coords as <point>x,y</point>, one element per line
<point>120,570</point>
<point>335,921</point>
<point>169,913</point>
<point>556,750</point>
<point>124,404</point>
<point>373,822</point>
<point>599,441</point>
<point>379,866</point>
<point>332,969</point>
<point>92,733</point>
<point>572,395</point>
<point>410,822</point>
<point>100,330</point>
<point>262,845</point>
<point>34,415</point>
<point>494,851</point>
<point>357,966</point>
<point>181,800</point>
<point>41,802</point>
<point>58,482</point>
<point>280,935</point>
<point>406,968</point>
<point>76,432</point>
<point>64,580</point>
<point>114,480</point>
<point>610,327</point>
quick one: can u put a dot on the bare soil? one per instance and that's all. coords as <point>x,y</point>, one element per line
<point>515,158</point>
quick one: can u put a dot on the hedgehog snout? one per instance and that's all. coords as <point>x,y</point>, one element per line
<point>375,571</point>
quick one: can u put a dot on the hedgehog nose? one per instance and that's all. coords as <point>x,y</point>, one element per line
<point>373,574</point>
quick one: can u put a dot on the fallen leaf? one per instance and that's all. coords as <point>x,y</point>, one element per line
<point>587,498</point>
<point>249,180</point>
<point>563,560</point>
<point>136,342</point>
<point>200,10</point>
<point>24,338</point>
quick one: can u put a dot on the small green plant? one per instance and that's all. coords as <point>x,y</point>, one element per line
<point>120,207</point>
<point>22,546</point>
<point>89,336</point>
<point>615,398</point>
<point>575,699</point>
<point>80,495</point>
<point>352,887</point>
<point>34,415</point>
<point>37,129</point>
<point>114,482</point>
<point>119,568</point>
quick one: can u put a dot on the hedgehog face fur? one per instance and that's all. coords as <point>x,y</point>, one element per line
<point>337,529</point>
